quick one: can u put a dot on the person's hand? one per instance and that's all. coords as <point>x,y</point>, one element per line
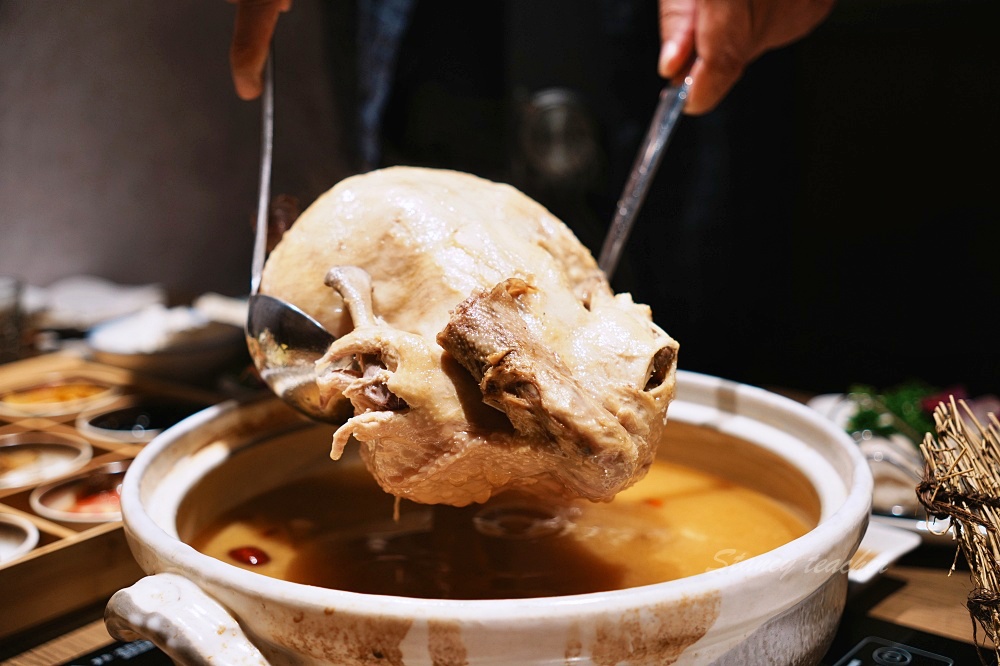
<point>255,22</point>
<point>722,37</point>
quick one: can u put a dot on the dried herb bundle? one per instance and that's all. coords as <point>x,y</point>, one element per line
<point>962,483</point>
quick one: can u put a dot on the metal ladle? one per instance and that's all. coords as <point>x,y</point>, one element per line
<point>668,111</point>
<point>284,341</point>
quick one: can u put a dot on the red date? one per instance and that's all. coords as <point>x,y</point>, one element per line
<point>250,555</point>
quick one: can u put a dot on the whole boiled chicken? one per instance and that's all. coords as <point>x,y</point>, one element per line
<point>479,348</point>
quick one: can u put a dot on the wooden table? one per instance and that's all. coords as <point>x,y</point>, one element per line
<point>929,600</point>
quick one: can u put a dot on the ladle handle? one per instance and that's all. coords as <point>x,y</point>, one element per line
<point>264,192</point>
<point>174,614</point>
<point>668,111</point>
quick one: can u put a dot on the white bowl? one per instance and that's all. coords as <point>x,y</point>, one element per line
<point>136,419</point>
<point>782,607</point>
<point>195,358</point>
<point>54,395</point>
<point>60,500</point>
<point>40,455</point>
<point>18,537</point>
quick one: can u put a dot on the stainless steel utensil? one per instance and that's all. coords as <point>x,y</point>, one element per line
<point>668,111</point>
<point>284,341</point>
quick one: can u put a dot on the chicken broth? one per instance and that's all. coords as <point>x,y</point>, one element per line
<point>338,531</point>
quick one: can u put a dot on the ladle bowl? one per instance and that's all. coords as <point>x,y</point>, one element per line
<point>285,343</point>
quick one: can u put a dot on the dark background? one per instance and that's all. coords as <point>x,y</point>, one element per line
<point>834,221</point>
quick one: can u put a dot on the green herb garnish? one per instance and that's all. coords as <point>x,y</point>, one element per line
<point>898,410</point>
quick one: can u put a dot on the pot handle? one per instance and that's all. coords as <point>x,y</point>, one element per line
<point>179,618</point>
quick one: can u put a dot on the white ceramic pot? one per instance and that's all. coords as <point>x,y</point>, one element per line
<point>781,607</point>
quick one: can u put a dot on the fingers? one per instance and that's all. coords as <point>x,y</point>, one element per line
<point>254,27</point>
<point>677,20</point>
<point>712,33</point>
<point>724,37</point>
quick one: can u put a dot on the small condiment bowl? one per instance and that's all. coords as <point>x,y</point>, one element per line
<point>136,419</point>
<point>56,396</point>
<point>32,457</point>
<point>89,497</point>
<point>18,536</point>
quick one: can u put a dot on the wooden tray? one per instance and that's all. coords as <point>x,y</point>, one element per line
<point>74,565</point>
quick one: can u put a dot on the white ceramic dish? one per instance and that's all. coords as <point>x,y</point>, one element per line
<point>135,419</point>
<point>34,457</point>
<point>932,532</point>
<point>883,544</point>
<point>896,467</point>
<point>191,356</point>
<point>65,500</point>
<point>18,537</point>
<point>54,396</point>
<point>784,604</point>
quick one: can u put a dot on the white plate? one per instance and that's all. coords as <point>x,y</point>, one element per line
<point>881,546</point>
<point>932,532</point>
<point>838,408</point>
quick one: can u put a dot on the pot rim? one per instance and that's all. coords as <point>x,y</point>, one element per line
<point>829,535</point>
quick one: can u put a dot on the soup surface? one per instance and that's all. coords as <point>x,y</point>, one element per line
<point>339,532</point>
